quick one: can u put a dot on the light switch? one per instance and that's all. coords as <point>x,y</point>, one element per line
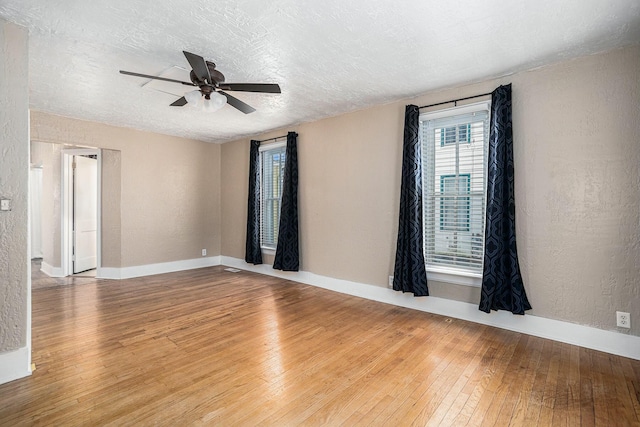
<point>5,204</point>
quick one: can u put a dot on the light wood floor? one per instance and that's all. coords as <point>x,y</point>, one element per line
<point>210,347</point>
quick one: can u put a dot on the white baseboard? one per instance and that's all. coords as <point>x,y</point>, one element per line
<point>160,268</point>
<point>15,364</point>
<point>570,333</point>
<point>50,270</point>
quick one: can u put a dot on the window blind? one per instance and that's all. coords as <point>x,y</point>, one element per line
<point>454,185</point>
<point>272,164</point>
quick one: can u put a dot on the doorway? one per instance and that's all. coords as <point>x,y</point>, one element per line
<point>35,198</point>
<point>81,211</point>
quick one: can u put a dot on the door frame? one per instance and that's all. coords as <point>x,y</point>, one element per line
<point>67,208</point>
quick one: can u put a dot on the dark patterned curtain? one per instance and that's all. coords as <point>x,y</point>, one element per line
<point>410,274</point>
<point>502,286</point>
<point>287,257</point>
<point>253,253</point>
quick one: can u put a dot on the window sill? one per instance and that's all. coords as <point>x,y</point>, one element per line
<point>268,251</point>
<point>455,277</point>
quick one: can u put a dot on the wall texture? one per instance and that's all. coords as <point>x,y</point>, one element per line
<point>169,206</point>
<point>14,180</point>
<point>577,157</point>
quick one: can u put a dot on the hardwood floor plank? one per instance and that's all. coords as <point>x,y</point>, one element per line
<point>491,404</point>
<point>515,372</point>
<point>452,404</point>
<point>623,397</point>
<point>210,347</point>
<point>426,391</point>
<point>633,386</point>
<point>561,404</point>
<point>371,404</point>
<point>537,390</point>
<point>587,414</point>
<point>574,388</point>
<point>600,398</point>
<point>407,392</point>
<point>479,380</point>
<point>550,387</point>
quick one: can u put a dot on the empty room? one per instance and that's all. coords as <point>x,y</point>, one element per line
<point>320,213</point>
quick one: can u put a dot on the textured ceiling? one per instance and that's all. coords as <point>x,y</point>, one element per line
<point>329,57</point>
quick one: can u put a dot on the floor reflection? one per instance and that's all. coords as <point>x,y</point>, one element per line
<point>272,366</point>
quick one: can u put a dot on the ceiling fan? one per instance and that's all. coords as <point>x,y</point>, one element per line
<point>210,83</point>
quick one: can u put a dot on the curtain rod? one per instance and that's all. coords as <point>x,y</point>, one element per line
<point>455,101</point>
<point>273,139</point>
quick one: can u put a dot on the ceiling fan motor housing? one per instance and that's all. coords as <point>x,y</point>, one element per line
<point>205,87</point>
<point>216,76</point>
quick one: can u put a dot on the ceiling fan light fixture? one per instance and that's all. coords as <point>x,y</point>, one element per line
<point>193,98</point>
<point>215,102</point>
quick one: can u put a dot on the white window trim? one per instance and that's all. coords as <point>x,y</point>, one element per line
<point>444,274</point>
<point>272,146</point>
<point>465,109</point>
<point>267,250</point>
<point>455,277</point>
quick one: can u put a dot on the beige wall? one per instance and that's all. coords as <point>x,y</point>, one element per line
<point>234,171</point>
<point>14,180</point>
<point>169,190</point>
<point>577,156</point>
<point>111,208</point>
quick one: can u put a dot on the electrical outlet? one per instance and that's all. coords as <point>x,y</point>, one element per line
<point>204,252</point>
<point>623,320</point>
<point>390,282</point>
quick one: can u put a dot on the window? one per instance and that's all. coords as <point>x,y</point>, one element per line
<point>272,171</point>
<point>454,149</point>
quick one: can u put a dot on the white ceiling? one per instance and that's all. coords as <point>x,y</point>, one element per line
<point>329,57</point>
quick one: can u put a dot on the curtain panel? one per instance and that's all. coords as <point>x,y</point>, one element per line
<point>253,252</point>
<point>502,285</point>
<point>410,273</point>
<point>287,250</point>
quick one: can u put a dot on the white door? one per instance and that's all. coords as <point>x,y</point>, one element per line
<point>85,213</point>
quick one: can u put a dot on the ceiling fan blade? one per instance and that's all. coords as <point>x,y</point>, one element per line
<point>251,87</point>
<point>179,102</point>
<point>236,103</point>
<point>199,66</point>
<point>129,73</point>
